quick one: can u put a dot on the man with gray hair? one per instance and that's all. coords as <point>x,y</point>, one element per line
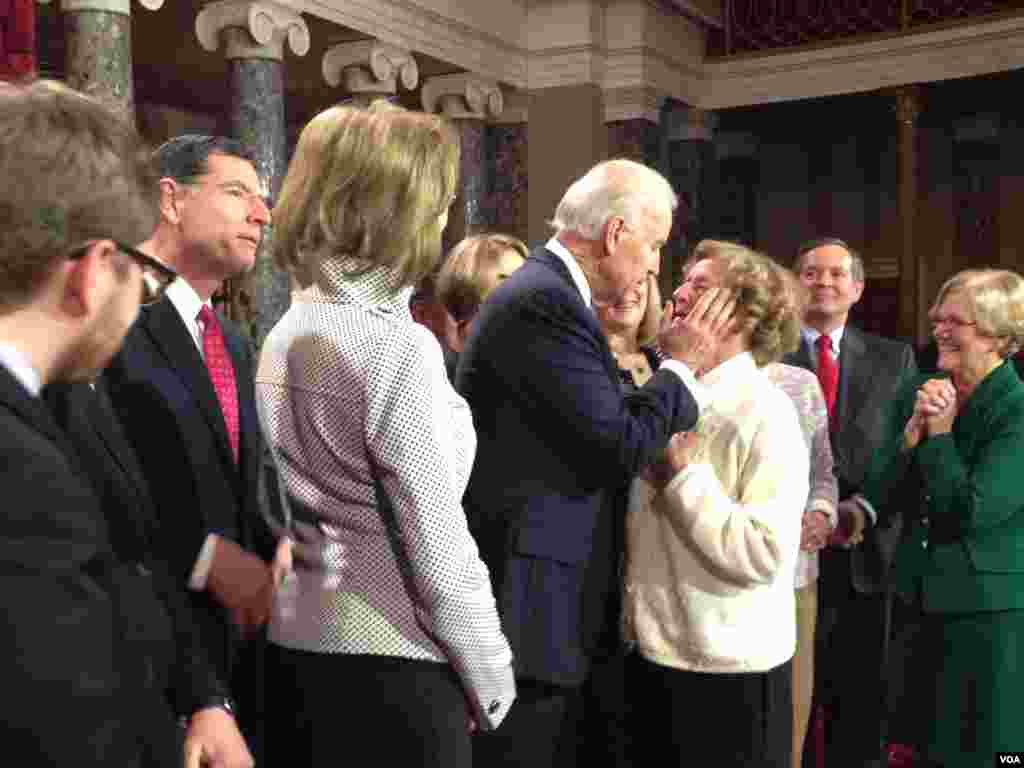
<point>555,435</point>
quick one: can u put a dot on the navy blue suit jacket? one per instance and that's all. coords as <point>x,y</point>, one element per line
<point>555,434</point>
<point>161,390</point>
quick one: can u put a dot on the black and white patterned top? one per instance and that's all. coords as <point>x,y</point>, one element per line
<point>353,389</point>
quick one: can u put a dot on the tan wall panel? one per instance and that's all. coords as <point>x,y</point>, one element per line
<point>567,137</point>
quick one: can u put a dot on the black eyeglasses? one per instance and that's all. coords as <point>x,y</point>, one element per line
<point>155,276</point>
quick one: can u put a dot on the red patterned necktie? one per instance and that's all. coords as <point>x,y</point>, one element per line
<point>222,373</point>
<point>828,373</point>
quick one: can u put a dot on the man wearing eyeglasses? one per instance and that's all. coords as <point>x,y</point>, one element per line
<point>859,373</point>
<point>87,637</point>
<point>183,388</point>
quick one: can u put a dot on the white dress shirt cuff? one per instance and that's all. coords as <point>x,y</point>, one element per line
<point>201,570</point>
<point>699,392</point>
<point>867,507</point>
<point>820,505</point>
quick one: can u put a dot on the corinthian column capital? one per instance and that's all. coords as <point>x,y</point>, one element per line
<point>462,96</point>
<point>370,68</point>
<point>252,29</point>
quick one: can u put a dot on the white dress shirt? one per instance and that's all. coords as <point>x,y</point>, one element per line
<point>20,368</point>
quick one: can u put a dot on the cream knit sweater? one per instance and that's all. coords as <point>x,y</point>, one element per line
<point>711,559</point>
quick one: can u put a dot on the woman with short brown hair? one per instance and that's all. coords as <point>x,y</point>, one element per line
<point>712,540</point>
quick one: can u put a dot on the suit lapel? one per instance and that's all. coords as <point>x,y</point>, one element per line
<point>552,260</point>
<point>106,426</point>
<point>854,377</point>
<point>169,334</point>
<point>34,412</point>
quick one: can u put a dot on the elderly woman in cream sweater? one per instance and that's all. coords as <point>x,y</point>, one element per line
<point>713,535</point>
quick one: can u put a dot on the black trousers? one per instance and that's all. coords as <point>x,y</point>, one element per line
<point>530,734</point>
<point>341,709</point>
<point>850,661</point>
<point>739,720</point>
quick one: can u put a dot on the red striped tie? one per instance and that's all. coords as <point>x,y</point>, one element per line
<point>222,374</point>
<point>828,373</point>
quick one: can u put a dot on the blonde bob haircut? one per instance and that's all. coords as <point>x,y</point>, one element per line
<point>767,312</point>
<point>367,187</point>
<point>996,297</point>
<point>459,286</point>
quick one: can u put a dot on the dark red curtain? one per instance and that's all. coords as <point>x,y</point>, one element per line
<point>17,38</point>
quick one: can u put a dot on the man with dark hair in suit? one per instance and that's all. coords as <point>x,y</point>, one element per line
<point>85,640</point>
<point>182,386</point>
<point>859,373</point>
<point>555,434</point>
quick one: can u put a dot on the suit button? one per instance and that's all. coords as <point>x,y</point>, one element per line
<point>143,570</point>
<point>924,544</point>
<point>926,521</point>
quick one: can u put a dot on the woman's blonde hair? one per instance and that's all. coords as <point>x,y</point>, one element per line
<point>767,310</point>
<point>458,284</point>
<point>368,186</point>
<point>997,299</point>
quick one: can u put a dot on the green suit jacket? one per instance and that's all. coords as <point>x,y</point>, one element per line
<point>965,551</point>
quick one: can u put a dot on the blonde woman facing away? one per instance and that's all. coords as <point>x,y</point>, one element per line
<point>474,268</point>
<point>391,634</point>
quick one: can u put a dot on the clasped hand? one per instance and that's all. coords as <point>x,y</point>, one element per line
<point>935,407</point>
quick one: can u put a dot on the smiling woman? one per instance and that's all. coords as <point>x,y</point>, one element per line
<point>958,443</point>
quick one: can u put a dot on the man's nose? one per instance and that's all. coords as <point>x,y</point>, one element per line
<point>259,211</point>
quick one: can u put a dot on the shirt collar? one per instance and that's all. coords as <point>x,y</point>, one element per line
<point>20,368</point>
<point>736,366</point>
<point>185,299</point>
<point>375,288</point>
<point>810,335</point>
<point>575,271</point>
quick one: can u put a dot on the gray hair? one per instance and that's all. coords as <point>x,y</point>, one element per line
<point>611,188</point>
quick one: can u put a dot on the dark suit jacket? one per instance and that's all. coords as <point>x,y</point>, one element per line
<point>871,370</point>
<point>161,390</point>
<point>67,694</point>
<point>965,553</point>
<point>174,678</point>
<point>555,433</point>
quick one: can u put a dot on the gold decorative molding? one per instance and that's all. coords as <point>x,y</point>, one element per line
<point>634,103</point>
<point>882,269</point>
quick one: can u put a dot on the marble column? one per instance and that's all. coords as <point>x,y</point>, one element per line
<point>468,101</point>
<point>369,70</point>
<point>912,302</point>
<point>254,33</point>
<point>692,168</point>
<point>98,50</point>
<point>632,121</point>
<point>508,138</point>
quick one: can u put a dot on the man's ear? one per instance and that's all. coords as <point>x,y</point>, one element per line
<point>87,280</point>
<point>613,229</point>
<point>858,290</point>
<point>170,200</point>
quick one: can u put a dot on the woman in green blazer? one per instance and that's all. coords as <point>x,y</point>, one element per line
<point>960,437</point>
